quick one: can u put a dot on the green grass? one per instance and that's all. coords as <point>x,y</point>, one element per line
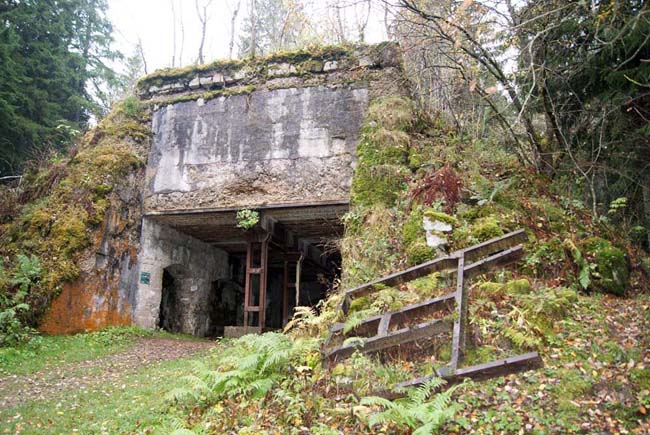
<point>133,404</point>
<point>53,351</point>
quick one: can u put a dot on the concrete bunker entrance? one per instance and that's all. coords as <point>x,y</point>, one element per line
<point>248,280</point>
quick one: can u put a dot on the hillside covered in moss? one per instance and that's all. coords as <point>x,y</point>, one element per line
<point>578,297</point>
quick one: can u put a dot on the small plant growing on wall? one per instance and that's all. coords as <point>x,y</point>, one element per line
<point>247,219</point>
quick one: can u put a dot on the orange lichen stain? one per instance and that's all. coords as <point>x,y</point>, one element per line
<point>85,305</point>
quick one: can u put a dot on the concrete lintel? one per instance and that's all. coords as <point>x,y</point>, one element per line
<point>252,207</point>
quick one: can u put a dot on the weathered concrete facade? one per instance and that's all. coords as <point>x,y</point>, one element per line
<point>276,135</point>
<point>286,146</point>
<point>259,136</point>
<point>194,266</point>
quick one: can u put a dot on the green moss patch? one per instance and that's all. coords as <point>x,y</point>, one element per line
<point>440,217</point>
<point>211,95</point>
<point>611,273</point>
<point>69,201</point>
<point>306,60</point>
<point>382,169</point>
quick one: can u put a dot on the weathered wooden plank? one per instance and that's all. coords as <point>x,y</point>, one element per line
<point>398,278</point>
<point>429,306</point>
<point>458,338</point>
<point>432,305</point>
<point>493,369</point>
<point>500,259</point>
<point>471,255</point>
<point>402,336</point>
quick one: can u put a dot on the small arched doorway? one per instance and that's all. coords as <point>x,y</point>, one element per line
<point>170,313</point>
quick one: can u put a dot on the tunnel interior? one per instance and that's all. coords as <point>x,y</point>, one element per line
<point>290,258</point>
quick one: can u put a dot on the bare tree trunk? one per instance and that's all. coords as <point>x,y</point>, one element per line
<point>253,28</point>
<point>203,19</point>
<point>173,33</point>
<point>340,26</point>
<point>180,55</point>
<point>645,190</point>
<point>386,22</point>
<point>363,23</point>
<point>233,19</point>
<point>141,52</point>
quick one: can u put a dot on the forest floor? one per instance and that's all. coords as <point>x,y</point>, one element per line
<point>595,380</point>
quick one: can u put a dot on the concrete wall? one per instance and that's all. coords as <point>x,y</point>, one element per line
<point>292,145</point>
<point>196,266</point>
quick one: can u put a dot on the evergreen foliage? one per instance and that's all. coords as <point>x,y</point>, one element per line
<point>53,74</point>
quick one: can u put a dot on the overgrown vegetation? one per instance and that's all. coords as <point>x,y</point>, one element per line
<point>52,218</point>
<point>411,168</point>
<point>247,219</point>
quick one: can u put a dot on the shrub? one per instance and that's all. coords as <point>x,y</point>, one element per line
<point>247,219</point>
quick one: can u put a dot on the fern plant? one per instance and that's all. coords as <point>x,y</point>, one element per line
<point>250,366</point>
<point>422,410</point>
<point>13,306</point>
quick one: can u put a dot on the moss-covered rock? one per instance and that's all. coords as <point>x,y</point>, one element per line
<point>611,274</point>
<point>485,229</point>
<point>434,215</point>
<point>519,286</point>
<point>360,304</point>
<point>380,184</point>
<point>69,199</point>
<point>480,230</point>
<point>419,252</point>
<point>414,236</point>
<point>491,288</point>
<point>412,230</point>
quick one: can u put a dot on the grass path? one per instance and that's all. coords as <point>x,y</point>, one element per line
<point>119,393</point>
<point>45,384</point>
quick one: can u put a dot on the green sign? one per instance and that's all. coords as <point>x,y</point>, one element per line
<point>145,278</point>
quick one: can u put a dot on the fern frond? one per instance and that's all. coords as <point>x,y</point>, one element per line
<point>377,401</point>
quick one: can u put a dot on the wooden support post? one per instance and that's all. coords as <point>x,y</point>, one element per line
<point>285,293</point>
<point>384,323</point>
<point>458,340</point>
<point>256,266</point>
